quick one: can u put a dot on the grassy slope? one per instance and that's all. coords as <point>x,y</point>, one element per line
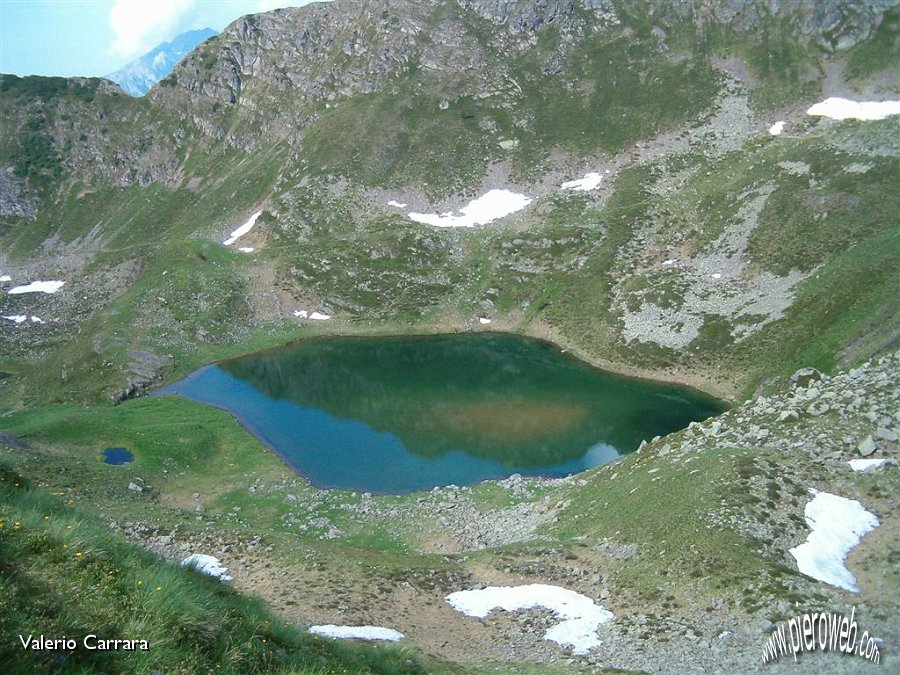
<point>64,575</point>
<point>683,542</point>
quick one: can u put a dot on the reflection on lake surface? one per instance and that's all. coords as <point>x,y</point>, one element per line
<point>399,414</point>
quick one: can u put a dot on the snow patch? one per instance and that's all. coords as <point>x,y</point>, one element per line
<point>208,565</point>
<point>590,182</point>
<point>315,316</point>
<point>396,204</point>
<point>242,230</point>
<point>483,321</point>
<point>837,526</point>
<point>777,128</point>
<point>5,277</point>
<point>246,249</point>
<point>37,287</point>
<point>36,319</point>
<point>670,261</point>
<point>356,632</point>
<point>490,206</point>
<point>580,616</point>
<point>18,318</point>
<point>844,109</point>
<point>863,464</point>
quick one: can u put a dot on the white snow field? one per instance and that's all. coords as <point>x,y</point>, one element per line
<point>315,316</point>
<point>242,230</point>
<point>488,207</point>
<point>590,181</point>
<point>208,565</point>
<point>37,287</point>
<point>838,108</point>
<point>863,464</point>
<point>580,616</point>
<point>777,128</point>
<point>356,632</point>
<point>837,526</point>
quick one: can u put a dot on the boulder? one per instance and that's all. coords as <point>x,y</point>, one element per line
<point>817,409</point>
<point>804,376</point>
<point>886,434</point>
<point>867,446</point>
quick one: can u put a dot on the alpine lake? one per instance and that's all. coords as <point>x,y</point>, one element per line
<point>400,414</point>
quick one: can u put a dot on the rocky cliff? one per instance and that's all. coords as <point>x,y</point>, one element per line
<point>138,76</point>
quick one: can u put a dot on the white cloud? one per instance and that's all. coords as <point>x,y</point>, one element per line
<point>140,25</point>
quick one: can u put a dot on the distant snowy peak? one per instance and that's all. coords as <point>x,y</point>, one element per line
<point>137,77</point>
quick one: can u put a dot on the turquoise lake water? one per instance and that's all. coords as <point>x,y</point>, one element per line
<point>400,414</point>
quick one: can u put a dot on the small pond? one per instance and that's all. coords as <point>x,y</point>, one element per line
<point>117,456</point>
<point>399,414</point>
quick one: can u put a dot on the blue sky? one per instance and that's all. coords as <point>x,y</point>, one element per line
<point>96,37</point>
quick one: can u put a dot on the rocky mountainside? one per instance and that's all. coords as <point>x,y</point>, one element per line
<point>137,76</point>
<point>677,262</point>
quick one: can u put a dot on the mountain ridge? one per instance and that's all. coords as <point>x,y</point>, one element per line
<point>138,76</point>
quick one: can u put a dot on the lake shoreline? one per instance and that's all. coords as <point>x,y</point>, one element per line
<point>701,381</point>
<point>454,408</point>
